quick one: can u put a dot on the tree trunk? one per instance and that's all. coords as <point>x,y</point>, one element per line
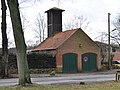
<point>4,72</point>
<point>23,70</point>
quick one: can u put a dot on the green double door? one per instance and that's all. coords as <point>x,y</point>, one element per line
<point>69,62</point>
<point>89,62</point>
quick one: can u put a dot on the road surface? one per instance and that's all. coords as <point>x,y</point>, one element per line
<point>64,79</point>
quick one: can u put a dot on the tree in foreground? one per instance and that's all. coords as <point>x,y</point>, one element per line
<point>4,71</point>
<point>23,70</point>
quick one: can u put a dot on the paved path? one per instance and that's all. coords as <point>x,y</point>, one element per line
<point>63,78</point>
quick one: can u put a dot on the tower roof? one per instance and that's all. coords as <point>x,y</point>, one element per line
<point>55,9</point>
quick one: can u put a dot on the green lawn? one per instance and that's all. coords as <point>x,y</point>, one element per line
<point>99,86</point>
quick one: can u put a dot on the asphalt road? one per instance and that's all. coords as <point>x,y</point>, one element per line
<point>64,79</point>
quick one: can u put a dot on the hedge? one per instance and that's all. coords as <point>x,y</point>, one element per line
<point>35,61</point>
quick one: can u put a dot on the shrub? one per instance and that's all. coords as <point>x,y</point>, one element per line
<point>52,72</point>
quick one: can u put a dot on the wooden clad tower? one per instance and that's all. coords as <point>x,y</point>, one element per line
<point>54,21</point>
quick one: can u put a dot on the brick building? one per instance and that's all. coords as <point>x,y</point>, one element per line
<point>74,50</point>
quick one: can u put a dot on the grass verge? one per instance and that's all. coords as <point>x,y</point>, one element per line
<point>112,85</point>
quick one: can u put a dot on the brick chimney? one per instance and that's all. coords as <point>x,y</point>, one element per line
<point>54,21</point>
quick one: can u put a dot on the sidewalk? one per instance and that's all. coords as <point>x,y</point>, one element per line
<point>70,74</point>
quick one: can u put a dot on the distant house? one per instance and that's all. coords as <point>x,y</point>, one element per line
<point>12,51</point>
<point>114,51</point>
<point>116,54</point>
<point>104,51</point>
<point>74,51</point>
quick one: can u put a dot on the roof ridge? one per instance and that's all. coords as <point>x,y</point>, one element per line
<point>68,37</point>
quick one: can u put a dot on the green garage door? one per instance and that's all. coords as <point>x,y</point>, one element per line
<point>89,62</point>
<point>69,63</point>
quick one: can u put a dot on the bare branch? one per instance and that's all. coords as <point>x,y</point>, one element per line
<point>77,22</point>
<point>40,28</point>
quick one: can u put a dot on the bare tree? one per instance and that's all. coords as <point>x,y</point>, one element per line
<point>4,65</point>
<point>23,70</point>
<point>77,22</point>
<point>40,28</point>
<point>31,44</point>
<point>115,33</point>
<point>25,22</point>
<point>59,1</point>
<point>102,37</point>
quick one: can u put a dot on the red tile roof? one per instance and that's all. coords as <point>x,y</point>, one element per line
<point>55,41</point>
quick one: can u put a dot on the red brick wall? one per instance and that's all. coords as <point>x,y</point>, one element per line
<point>79,43</point>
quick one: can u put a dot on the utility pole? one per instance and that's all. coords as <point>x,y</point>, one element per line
<point>109,50</point>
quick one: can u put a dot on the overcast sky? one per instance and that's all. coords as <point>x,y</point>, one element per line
<point>96,12</point>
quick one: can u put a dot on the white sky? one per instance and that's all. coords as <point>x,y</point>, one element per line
<point>96,11</point>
